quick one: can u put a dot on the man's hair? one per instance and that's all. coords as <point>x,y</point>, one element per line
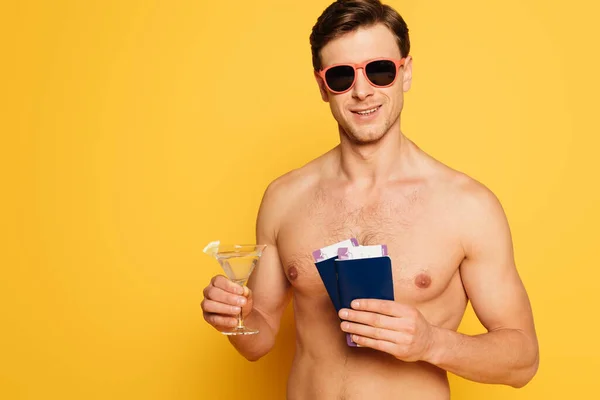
<point>343,16</point>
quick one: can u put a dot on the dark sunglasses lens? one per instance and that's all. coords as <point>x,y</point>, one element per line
<point>339,78</point>
<point>381,73</point>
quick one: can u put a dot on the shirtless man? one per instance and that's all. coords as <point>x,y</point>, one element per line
<point>447,236</point>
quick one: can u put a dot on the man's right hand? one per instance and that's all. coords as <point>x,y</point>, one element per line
<point>223,301</point>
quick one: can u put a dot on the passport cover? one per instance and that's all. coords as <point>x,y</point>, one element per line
<point>327,270</point>
<point>364,278</point>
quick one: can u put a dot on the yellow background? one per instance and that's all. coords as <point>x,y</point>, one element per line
<point>134,132</point>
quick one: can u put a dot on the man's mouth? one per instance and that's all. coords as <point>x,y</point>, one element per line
<point>368,111</point>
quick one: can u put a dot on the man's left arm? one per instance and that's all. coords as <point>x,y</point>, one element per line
<point>507,353</point>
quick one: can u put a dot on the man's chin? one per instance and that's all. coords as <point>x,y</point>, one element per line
<point>366,136</point>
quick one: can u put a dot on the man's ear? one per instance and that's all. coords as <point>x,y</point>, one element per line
<point>407,74</point>
<point>322,87</point>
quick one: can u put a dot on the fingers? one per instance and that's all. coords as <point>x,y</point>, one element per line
<point>381,345</point>
<point>395,343</point>
<point>401,351</point>
<point>220,294</point>
<point>220,321</point>
<point>375,320</point>
<point>223,302</point>
<point>221,282</point>
<point>211,306</point>
<point>387,307</point>
<point>375,332</point>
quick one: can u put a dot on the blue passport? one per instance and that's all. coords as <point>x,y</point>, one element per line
<point>350,279</point>
<point>364,278</point>
<point>327,271</point>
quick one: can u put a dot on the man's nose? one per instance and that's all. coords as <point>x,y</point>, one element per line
<point>362,88</point>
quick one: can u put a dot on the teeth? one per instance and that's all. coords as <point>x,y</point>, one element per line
<point>367,112</point>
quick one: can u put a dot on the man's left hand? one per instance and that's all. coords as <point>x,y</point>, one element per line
<point>388,326</point>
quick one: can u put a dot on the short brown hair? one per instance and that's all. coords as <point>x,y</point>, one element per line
<point>343,16</point>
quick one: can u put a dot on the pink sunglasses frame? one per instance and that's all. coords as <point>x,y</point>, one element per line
<point>362,65</point>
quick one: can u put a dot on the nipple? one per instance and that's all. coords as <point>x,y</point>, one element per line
<point>423,281</point>
<point>292,273</point>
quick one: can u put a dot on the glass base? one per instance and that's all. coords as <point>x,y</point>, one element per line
<point>240,331</point>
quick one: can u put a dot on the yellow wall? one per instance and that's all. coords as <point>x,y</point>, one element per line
<point>134,132</point>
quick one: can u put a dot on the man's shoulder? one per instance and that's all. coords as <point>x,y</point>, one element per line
<point>473,206</point>
<point>467,194</point>
<point>283,195</point>
<point>293,185</point>
<point>298,180</point>
<point>478,219</point>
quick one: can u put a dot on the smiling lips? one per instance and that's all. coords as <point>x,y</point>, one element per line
<point>366,112</point>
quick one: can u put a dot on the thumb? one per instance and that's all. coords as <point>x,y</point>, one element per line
<point>247,308</point>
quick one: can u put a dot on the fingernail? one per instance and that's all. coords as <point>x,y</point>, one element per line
<point>237,309</point>
<point>241,301</point>
<point>355,304</point>
<point>345,326</point>
<point>239,290</point>
<point>343,314</point>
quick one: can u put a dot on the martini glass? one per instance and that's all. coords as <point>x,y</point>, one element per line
<point>238,262</point>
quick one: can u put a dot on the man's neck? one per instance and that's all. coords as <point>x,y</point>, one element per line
<point>372,164</point>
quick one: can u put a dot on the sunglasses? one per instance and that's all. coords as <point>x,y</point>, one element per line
<point>380,72</point>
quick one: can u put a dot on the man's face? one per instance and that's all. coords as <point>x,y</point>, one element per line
<point>354,47</point>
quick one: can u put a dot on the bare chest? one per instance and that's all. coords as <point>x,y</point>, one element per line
<point>421,242</point>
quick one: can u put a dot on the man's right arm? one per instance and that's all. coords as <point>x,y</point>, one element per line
<point>269,291</point>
